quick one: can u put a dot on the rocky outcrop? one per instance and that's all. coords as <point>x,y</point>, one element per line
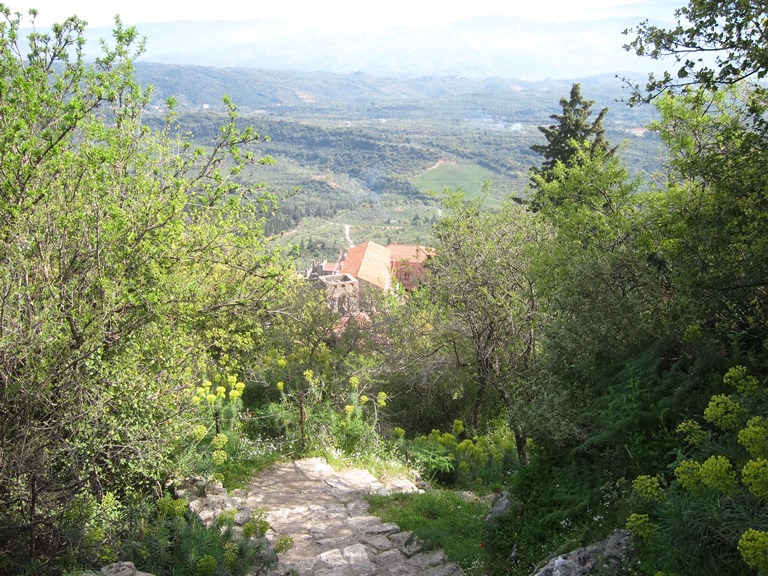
<point>611,556</point>
<point>118,569</point>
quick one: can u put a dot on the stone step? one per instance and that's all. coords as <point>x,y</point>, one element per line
<point>325,513</point>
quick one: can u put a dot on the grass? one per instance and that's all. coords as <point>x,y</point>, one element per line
<point>442,519</point>
<point>470,178</point>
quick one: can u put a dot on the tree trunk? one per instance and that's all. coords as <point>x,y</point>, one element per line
<point>520,444</point>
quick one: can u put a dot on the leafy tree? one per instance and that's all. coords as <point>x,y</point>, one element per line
<point>572,131</point>
<point>122,249</point>
<point>715,208</point>
<point>714,43</point>
<point>481,277</point>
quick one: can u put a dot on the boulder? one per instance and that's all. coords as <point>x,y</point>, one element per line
<point>610,556</point>
<point>503,504</point>
<point>122,569</point>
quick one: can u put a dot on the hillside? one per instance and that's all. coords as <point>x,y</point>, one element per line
<point>372,151</point>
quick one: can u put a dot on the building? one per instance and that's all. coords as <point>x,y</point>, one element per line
<point>370,266</point>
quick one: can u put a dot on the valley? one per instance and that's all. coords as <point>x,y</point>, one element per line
<point>375,153</point>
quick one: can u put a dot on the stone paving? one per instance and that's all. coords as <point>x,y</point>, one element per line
<point>326,514</point>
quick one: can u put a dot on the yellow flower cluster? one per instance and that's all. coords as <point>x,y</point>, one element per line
<point>381,399</point>
<point>718,473</point>
<point>687,473</point>
<point>219,441</point>
<point>755,476</point>
<point>648,488</point>
<point>755,437</point>
<point>725,413</point>
<point>199,432</point>
<point>641,526</point>
<point>753,547</point>
<point>472,452</point>
<point>204,393</point>
<point>237,391</point>
<point>218,457</point>
<point>692,432</point>
<point>231,553</point>
<point>743,382</point>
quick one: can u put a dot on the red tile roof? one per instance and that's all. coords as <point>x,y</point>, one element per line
<point>369,262</point>
<point>411,253</point>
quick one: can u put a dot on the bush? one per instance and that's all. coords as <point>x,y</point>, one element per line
<point>712,519</point>
<point>176,542</point>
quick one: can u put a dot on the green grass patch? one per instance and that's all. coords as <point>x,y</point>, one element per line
<point>442,519</point>
<point>468,177</point>
<point>238,473</point>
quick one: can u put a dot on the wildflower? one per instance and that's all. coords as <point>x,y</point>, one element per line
<point>755,476</point>
<point>231,379</point>
<point>363,399</point>
<point>381,399</point>
<point>199,432</point>
<point>211,398</point>
<point>694,434</point>
<point>755,437</point>
<point>219,441</point>
<point>724,412</point>
<point>648,488</point>
<point>717,473</point>
<point>398,432</point>
<point>207,384</point>
<point>282,362</point>
<point>240,386</point>
<point>206,566</point>
<point>218,457</point>
<point>349,409</point>
<point>280,386</point>
<point>753,547</point>
<point>221,391</point>
<point>641,526</point>
<point>743,382</point>
<point>687,473</point>
<point>235,394</point>
<point>354,381</point>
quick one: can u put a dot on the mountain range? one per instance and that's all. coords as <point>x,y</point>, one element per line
<point>477,47</point>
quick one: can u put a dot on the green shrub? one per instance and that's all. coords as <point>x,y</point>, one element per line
<point>171,543</point>
<point>712,519</point>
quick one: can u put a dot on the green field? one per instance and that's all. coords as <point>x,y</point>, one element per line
<point>470,178</point>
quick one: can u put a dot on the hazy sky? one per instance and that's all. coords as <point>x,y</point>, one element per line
<point>373,14</point>
<point>514,38</point>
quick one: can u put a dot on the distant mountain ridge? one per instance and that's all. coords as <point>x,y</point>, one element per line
<point>294,93</point>
<point>478,47</point>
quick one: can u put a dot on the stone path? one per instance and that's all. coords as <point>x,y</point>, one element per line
<point>326,515</point>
